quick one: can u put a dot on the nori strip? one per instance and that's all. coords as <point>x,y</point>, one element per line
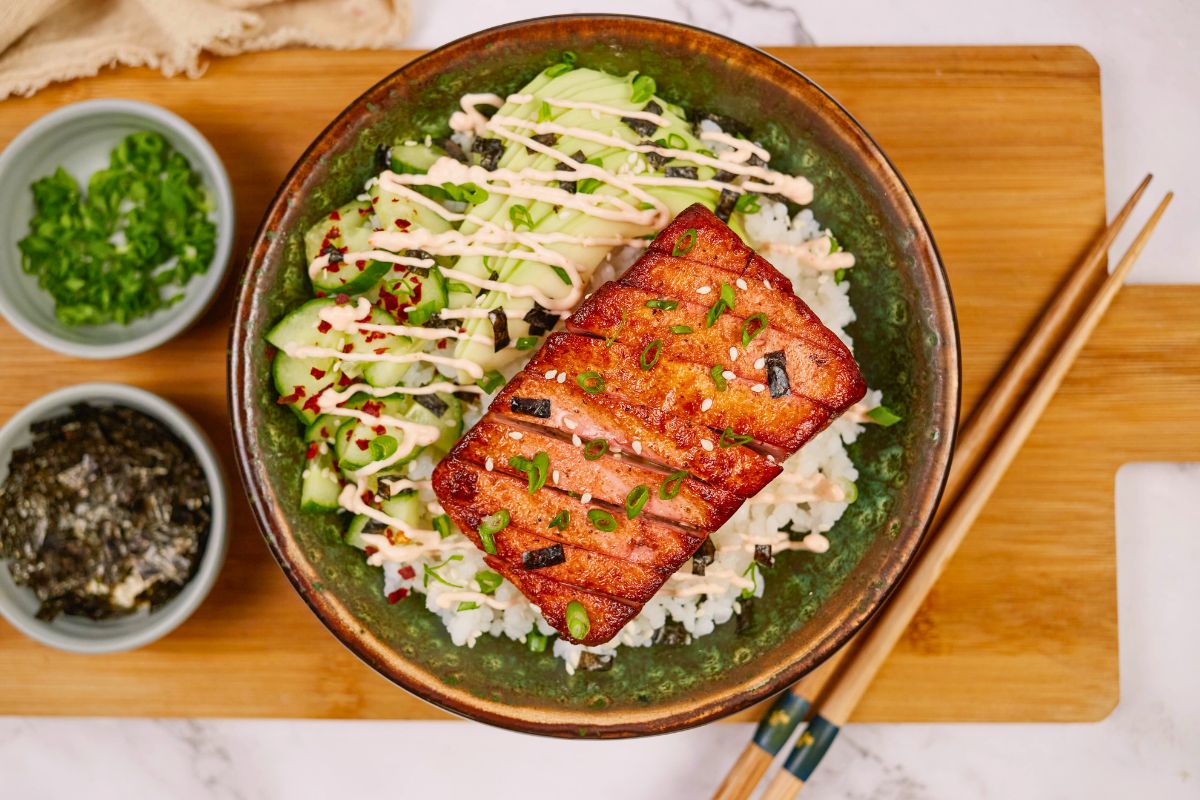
<point>383,157</point>
<point>489,151</point>
<point>334,252</point>
<point>541,320</point>
<point>545,557</point>
<point>499,328</point>
<point>777,377</point>
<point>681,172</point>
<point>644,127</point>
<point>105,512</point>
<point>453,149</point>
<point>435,405</point>
<point>531,407</point>
<point>655,160</point>
<point>763,556</point>
<point>725,204</point>
<point>672,633</point>
<point>548,139</point>
<point>703,557</point>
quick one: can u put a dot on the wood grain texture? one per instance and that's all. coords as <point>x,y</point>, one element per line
<point>1002,148</point>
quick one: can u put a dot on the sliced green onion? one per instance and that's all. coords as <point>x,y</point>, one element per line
<point>851,490</point>
<point>884,416</point>
<point>588,185</point>
<point>645,206</point>
<point>590,382</point>
<point>731,439</point>
<point>717,377</point>
<point>488,581</point>
<point>560,68</point>
<point>578,623</point>
<point>643,89</point>
<point>834,245</point>
<point>595,448</point>
<point>602,520</point>
<point>677,142</point>
<point>561,520</point>
<point>519,215</point>
<point>432,573</point>
<point>704,151</point>
<point>727,295</point>
<point>441,524</point>
<point>491,381</point>
<point>681,329</point>
<point>839,275</point>
<point>536,469</point>
<point>569,57</point>
<point>467,605</point>
<point>490,525</point>
<point>672,484</point>
<point>753,326</point>
<point>663,305</point>
<point>685,243</point>
<point>612,337</point>
<point>563,275</point>
<point>714,313</point>
<point>650,354</point>
<point>465,193</point>
<point>636,500</point>
<point>383,447</point>
<point>544,112</point>
<point>747,204</point>
<point>752,571</point>
<point>526,342</point>
<point>536,641</point>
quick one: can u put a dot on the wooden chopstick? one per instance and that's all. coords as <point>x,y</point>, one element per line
<point>793,706</point>
<point>873,645</point>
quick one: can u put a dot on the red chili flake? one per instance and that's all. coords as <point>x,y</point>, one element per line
<point>372,407</point>
<point>334,215</point>
<point>320,294</point>
<point>312,451</point>
<point>333,233</point>
<point>365,212</point>
<point>374,336</point>
<point>324,326</point>
<point>370,551</point>
<point>344,380</point>
<point>379,430</point>
<point>398,268</point>
<point>380,351</point>
<point>334,268</point>
<point>341,299</point>
<point>441,345</point>
<point>395,199</point>
<point>360,263</point>
<point>313,404</point>
<point>374,200</point>
<point>317,373</point>
<point>325,432</point>
<point>403,224</point>
<point>397,596</point>
<point>407,572</point>
<point>363,444</point>
<point>297,393</point>
<point>368,496</point>
<point>348,348</point>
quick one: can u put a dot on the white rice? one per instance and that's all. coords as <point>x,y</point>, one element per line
<point>698,603</point>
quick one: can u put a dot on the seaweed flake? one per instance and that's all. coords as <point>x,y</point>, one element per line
<point>489,151</point>
<point>499,328</point>
<point>434,404</point>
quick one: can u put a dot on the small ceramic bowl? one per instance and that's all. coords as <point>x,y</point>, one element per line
<point>79,138</point>
<point>80,635</point>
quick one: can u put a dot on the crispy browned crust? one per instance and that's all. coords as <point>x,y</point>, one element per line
<point>665,438</point>
<point>660,412</point>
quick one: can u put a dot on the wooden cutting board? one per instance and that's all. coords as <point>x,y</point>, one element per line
<point>1002,147</point>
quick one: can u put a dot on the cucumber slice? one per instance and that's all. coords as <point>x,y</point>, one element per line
<point>299,380</point>
<point>323,428</point>
<point>354,437</point>
<point>391,373</point>
<point>405,506</point>
<point>450,422</point>
<point>348,227</point>
<point>320,485</point>
<point>414,157</point>
<point>302,327</point>
<point>351,277</point>
<point>434,297</point>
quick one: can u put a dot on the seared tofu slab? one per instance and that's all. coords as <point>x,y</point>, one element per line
<point>670,398</point>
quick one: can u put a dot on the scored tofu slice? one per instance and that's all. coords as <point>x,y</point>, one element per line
<point>680,387</point>
<point>606,614</point>
<point>815,372</point>
<point>609,479</point>
<point>643,541</point>
<point>661,437</point>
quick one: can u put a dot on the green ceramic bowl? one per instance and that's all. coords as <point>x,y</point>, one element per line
<point>905,338</point>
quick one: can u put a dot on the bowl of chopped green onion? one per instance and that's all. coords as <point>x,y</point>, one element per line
<point>120,225</point>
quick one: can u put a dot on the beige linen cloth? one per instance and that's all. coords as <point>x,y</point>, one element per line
<point>42,41</point>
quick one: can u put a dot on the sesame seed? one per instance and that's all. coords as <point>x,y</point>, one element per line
<point>704,290</point>
<point>758,387</point>
<point>766,283</point>
<point>727,375</point>
<point>515,435</point>
<point>554,475</point>
<point>575,440</point>
<point>637,447</point>
<point>706,444</point>
<point>760,363</point>
<point>562,377</point>
<point>733,354</point>
<point>707,404</point>
<point>741,284</point>
<point>489,465</point>
<point>770,458</point>
<point>550,375</point>
<point>570,423</point>
<point>586,497</point>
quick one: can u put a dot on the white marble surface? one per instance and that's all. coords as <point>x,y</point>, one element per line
<point>1149,747</point>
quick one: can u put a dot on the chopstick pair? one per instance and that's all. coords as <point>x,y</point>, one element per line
<point>989,442</point>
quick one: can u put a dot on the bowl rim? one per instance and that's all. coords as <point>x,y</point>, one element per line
<point>205,287</point>
<point>338,619</point>
<point>164,620</point>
